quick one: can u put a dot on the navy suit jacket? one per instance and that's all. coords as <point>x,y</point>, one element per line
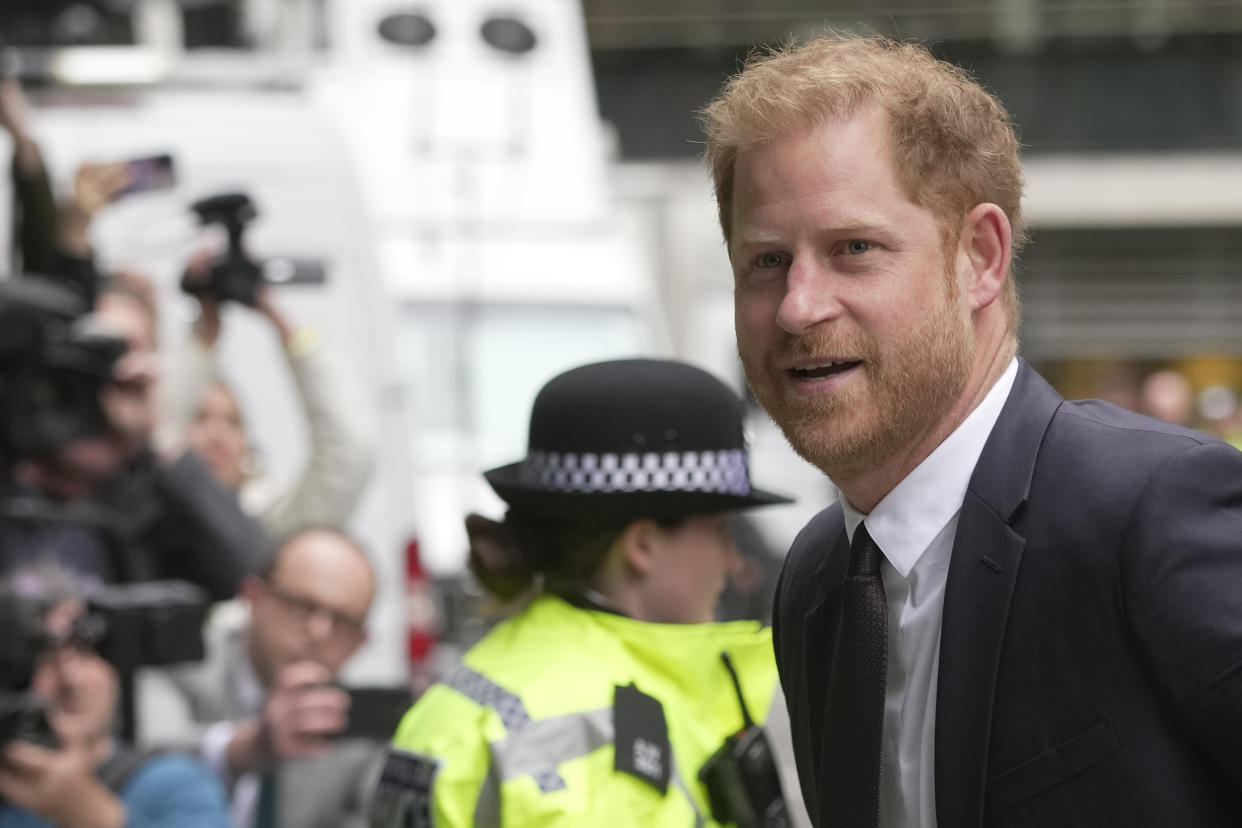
<point>1091,650</point>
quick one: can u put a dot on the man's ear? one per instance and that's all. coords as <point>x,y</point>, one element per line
<point>639,545</point>
<point>251,588</point>
<point>984,252</point>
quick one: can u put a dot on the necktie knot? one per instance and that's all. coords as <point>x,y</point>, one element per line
<point>864,554</point>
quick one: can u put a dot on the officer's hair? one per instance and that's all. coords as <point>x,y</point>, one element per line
<point>511,559</point>
<point>953,143</point>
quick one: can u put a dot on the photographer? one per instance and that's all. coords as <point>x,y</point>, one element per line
<point>261,707</point>
<point>81,484</point>
<point>80,776</point>
<point>340,446</point>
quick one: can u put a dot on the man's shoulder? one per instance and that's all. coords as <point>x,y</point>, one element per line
<point>1097,433</point>
<point>815,540</point>
<point>171,788</point>
<point>156,772</point>
<point>806,555</point>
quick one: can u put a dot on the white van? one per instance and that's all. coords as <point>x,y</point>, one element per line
<point>485,163</point>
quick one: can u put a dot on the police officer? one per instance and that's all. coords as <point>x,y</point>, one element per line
<point>601,701</point>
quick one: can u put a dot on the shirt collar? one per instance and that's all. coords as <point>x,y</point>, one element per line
<point>910,517</point>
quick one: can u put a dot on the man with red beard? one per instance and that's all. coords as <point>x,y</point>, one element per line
<point>1023,610</point>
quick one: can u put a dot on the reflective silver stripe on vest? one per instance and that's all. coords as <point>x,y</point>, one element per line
<point>537,748</point>
<point>542,746</point>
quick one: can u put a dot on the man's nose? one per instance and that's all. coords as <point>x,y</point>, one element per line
<point>67,664</point>
<point>321,624</point>
<point>810,296</point>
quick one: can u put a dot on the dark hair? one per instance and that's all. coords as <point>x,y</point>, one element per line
<point>507,557</point>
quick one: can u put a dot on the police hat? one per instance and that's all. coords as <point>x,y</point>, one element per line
<point>631,439</point>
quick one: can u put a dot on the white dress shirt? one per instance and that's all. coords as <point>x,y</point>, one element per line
<point>914,526</point>
<point>243,790</point>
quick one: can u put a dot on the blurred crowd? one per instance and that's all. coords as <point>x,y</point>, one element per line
<point>180,619</point>
<point>1169,393</point>
<point>143,550</point>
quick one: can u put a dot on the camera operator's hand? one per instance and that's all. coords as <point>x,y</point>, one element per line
<point>301,715</point>
<point>198,271</point>
<point>59,786</point>
<point>129,401</point>
<point>94,186</point>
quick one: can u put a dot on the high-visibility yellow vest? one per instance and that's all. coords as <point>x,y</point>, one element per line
<point>531,729</point>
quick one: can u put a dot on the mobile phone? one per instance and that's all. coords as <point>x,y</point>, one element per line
<point>151,172</point>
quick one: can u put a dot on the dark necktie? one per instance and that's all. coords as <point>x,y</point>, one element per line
<point>854,714</point>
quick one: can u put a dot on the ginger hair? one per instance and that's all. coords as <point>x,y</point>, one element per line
<point>953,142</point>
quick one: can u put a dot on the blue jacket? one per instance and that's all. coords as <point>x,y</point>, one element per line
<point>168,790</point>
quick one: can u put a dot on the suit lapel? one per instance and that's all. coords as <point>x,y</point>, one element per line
<point>820,629</point>
<point>983,570</point>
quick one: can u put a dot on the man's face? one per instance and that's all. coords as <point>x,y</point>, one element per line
<point>79,687</point>
<point>313,606</point>
<point>217,435</point>
<point>122,316</point>
<point>849,319</point>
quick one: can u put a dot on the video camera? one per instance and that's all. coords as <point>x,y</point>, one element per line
<point>22,715</point>
<point>153,623</point>
<point>52,367</point>
<point>234,275</point>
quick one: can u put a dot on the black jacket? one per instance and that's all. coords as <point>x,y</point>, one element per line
<point>152,521</point>
<point>1091,651</point>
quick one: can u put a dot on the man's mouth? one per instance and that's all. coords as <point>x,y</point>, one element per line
<point>822,369</point>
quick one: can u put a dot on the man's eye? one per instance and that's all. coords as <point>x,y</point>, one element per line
<point>768,260</point>
<point>855,247</point>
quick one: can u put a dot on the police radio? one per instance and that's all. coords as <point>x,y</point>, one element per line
<point>743,786</point>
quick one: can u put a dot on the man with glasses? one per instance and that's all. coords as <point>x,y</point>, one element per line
<point>268,717</point>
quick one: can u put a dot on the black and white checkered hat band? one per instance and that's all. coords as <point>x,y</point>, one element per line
<point>722,472</point>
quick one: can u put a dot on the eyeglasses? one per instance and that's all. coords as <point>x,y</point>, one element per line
<point>303,609</point>
<point>83,635</point>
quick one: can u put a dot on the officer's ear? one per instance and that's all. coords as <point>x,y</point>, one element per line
<point>640,546</point>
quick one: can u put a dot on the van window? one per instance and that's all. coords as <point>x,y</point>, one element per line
<point>472,370</point>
